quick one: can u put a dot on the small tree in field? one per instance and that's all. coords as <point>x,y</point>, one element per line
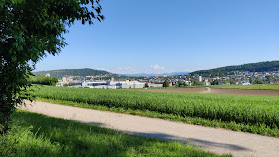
<point>179,83</point>
<point>166,83</point>
<point>30,29</point>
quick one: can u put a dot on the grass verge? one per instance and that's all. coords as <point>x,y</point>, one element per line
<point>251,128</point>
<point>33,134</point>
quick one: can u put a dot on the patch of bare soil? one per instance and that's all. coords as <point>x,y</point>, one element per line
<point>245,92</point>
<point>255,92</point>
<point>179,90</point>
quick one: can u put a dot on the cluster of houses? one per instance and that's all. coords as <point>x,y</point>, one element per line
<point>238,78</point>
<point>246,78</point>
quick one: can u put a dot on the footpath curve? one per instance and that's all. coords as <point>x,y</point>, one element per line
<point>215,140</point>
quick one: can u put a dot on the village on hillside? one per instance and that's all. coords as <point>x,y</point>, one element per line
<point>237,78</point>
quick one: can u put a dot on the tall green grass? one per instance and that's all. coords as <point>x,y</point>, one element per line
<point>254,110</point>
<point>37,135</point>
<point>256,129</point>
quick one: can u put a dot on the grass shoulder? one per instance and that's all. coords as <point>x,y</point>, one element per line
<point>34,134</point>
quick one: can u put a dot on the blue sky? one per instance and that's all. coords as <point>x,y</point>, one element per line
<point>157,36</point>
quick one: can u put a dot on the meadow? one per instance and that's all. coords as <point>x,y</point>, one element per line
<point>254,86</point>
<point>256,114</point>
<point>37,135</point>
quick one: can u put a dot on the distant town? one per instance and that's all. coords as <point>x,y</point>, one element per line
<point>104,81</point>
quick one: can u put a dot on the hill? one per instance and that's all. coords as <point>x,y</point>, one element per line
<point>74,72</point>
<point>251,67</point>
<point>168,74</point>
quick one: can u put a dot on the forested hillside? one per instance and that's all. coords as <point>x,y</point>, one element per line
<point>73,72</point>
<point>252,67</point>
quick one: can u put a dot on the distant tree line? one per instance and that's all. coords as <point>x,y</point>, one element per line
<point>229,70</point>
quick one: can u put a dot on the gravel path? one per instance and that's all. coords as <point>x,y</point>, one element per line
<point>215,140</point>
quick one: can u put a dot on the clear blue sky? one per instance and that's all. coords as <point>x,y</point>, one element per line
<point>156,36</point>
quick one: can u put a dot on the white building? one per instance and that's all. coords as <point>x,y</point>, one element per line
<point>199,78</point>
<point>113,84</point>
<point>103,87</point>
<point>245,83</point>
<point>64,79</point>
<point>130,84</point>
<point>93,83</point>
<point>206,82</point>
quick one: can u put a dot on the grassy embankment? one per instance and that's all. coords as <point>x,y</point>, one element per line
<point>37,135</point>
<point>254,114</point>
<point>254,86</point>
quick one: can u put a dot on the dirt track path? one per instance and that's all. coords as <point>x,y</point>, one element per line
<point>256,92</point>
<point>208,90</point>
<point>215,140</point>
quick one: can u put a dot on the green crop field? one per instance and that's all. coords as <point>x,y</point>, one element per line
<point>262,112</point>
<point>254,86</point>
<point>35,135</point>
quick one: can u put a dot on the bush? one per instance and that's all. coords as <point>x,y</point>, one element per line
<point>43,80</point>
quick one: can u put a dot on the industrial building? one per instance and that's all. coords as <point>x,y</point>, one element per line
<point>112,84</point>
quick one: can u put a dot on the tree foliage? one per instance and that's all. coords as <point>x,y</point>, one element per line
<point>229,70</point>
<point>179,83</point>
<point>166,83</point>
<point>30,29</point>
<point>44,80</point>
<point>258,81</point>
<point>215,82</point>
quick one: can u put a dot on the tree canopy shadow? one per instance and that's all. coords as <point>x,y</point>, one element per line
<point>192,141</point>
<point>69,138</point>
